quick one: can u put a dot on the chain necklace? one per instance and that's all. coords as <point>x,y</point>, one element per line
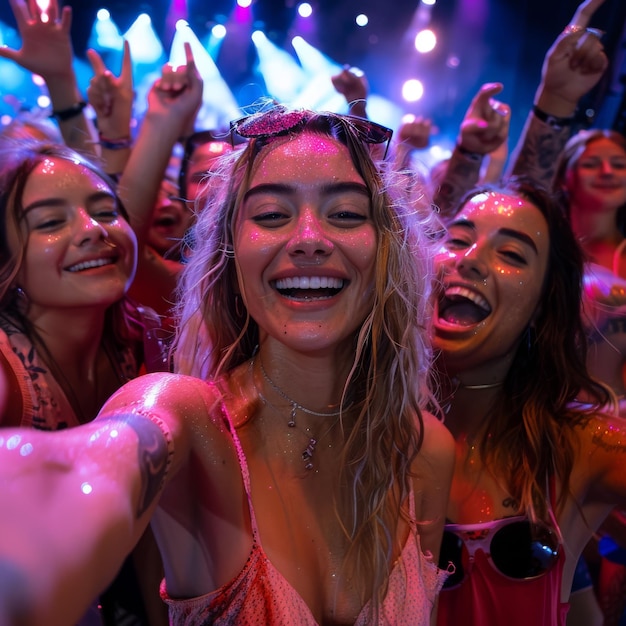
<point>477,387</point>
<point>309,451</point>
<point>447,404</point>
<point>295,406</point>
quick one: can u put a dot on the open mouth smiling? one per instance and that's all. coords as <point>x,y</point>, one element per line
<point>460,306</point>
<point>87,265</point>
<point>166,221</point>
<point>306,288</point>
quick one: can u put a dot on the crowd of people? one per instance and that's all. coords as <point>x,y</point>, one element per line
<point>307,381</point>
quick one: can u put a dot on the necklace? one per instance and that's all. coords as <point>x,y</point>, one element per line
<point>309,451</point>
<point>295,406</point>
<point>447,404</point>
<point>485,386</point>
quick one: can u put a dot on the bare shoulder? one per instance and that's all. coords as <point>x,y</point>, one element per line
<point>602,433</point>
<point>175,399</point>
<point>165,390</point>
<point>600,463</point>
<point>438,445</point>
<point>433,471</point>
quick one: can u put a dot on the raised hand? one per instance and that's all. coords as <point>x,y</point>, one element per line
<point>352,84</point>
<point>573,65</point>
<point>486,123</point>
<point>177,95</point>
<point>110,96</point>
<point>46,43</point>
<point>47,51</point>
<point>415,132</point>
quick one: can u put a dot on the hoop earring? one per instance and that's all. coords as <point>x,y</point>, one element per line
<point>20,300</point>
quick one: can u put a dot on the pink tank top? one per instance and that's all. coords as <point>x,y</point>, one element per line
<point>260,594</point>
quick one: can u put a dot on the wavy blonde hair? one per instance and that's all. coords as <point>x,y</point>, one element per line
<point>388,381</point>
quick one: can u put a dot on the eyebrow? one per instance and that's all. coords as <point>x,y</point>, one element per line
<point>507,232</point>
<point>326,189</point>
<point>54,202</point>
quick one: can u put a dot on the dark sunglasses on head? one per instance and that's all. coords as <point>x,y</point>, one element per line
<point>515,547</point>
<point>279,121</point>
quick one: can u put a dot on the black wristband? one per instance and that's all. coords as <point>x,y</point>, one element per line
<point>70,112</point>
<point>551,120</point>
<point>473,156</point>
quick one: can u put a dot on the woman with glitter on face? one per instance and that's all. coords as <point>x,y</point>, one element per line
<point>308,483</point>
<point>540,461</point>
<point>69,335</point>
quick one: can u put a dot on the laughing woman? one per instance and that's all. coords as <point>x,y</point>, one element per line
<point>308,484</point>
<point>539,465</point>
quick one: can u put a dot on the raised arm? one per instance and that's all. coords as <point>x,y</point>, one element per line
<point>111,97</point>
<point>173,101</point>
<point>47,51</point>
<point>483,129</point>
<point>352,84</point>
<point>413,134</point>
<point>572,66</point>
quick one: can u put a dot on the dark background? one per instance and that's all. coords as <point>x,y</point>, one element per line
<point>494,40</point>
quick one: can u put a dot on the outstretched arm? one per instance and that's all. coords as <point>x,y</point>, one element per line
<point>47,51</point>
<point>80,500</point>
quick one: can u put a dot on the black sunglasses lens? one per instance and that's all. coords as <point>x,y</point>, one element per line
<point>371,132</point>
<point>452,552</point>
<point>523,550</point>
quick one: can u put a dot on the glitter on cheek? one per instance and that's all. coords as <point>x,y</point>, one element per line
<point>26,449</point>
<point>13,442</point>
<point>86,488</point>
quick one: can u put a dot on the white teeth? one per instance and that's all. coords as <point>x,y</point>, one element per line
<point>89,264</point>
<point>309,282</point>
<point>474,297</point>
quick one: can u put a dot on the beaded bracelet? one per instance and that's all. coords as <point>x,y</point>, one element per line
<point>552,120</point>
<point>67,114</point>
<point>115,144</point>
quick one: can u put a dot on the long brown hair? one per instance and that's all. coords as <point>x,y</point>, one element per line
<point>527,437</point>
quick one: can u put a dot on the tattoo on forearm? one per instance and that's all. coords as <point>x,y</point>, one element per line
<point>153,457</point>
<point>461,176</point>
<point>538,150</point>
